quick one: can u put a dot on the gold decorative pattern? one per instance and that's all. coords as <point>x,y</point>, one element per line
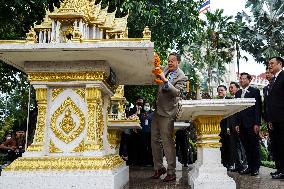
<point>35,148</point>
<point>147,33</point>
<point>95,119</point>
<point>66,76</point>
<point>65,163</point>
<point>208,129</point>
<point>203,138</point>
<point>31,36</point>
<point>56,92</point>
<point>41,97</point>
<point>80,148</point>
<point>99,121</point>
<point>80,92</point>
<point>209,145</point>
<point>53,148</point>
<point>208,125</point>
<point>114,136</point>
<point>67,124</point>
<point>67,104</point>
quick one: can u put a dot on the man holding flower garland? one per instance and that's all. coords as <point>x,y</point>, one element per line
<point>169,94</point>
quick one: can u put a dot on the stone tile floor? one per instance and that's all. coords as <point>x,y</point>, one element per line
<point>139,179</point>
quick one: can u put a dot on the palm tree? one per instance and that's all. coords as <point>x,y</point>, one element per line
<point>263,35</point>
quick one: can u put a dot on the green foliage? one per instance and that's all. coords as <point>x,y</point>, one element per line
<point>270,164</point>
<point>211,49</point>
<point>263,153</point>
<point>263,35</point>
<point>6,126</point>
<point>172,22</point>
<point>147,92</point>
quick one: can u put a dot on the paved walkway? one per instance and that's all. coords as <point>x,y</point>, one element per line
<point>139,179</point>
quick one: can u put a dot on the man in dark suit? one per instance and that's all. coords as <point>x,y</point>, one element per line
<point>269,77</point>
<point>276,113</point>
<point>225,148</point>
<point>169,94</point>
<point>238,156</point>
<point>248,125</point>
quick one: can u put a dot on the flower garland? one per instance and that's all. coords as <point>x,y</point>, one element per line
<point>157,69</point>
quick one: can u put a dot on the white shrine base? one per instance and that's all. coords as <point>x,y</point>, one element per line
<point>101,179</point>
<point>208,172</point>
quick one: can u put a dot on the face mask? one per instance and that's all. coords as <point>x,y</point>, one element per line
<point>146,108</point>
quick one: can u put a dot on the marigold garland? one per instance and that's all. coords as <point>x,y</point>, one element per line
<point>157,70</point>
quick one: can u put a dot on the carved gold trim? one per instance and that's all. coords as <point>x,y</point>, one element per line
<point>209,145</point>
<point>56,92</point>
<point>53,148</point>
<point>35,148</point>
<point>209,138</point>
<point>41,97</point>
<point>66,76</point>
<point>65,163</point>
<point>114,136</point>
<point>95,119</point>
<point>12,41</point>
<point>80,92</point>
<point>67,138</point>
<point>208,125</point>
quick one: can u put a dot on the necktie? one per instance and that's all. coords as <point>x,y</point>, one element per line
<point>243,93</point>
<point>271,84</point>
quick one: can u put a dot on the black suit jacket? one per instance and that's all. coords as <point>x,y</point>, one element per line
<point>276,100</point>
<point>251,116</point>
<point>265,102</point>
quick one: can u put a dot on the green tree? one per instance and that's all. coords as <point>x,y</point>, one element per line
<point>263,35</point>
<point>172,22</point>
<point>211,49</point>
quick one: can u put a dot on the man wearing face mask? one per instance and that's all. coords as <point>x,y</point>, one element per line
<point>129,137</point>
<point>145,137</point>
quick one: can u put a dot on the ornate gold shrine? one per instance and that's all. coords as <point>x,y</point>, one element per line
<point>78,21</point>
<point>76,103</point>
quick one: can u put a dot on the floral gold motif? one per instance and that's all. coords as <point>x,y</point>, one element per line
<point>67,124</point>
<point>65,163</point>
<point>80,92</point>
<point>80,148</point>
<point>56,92</point>
<point>68,103</point>
<point>53,148</point>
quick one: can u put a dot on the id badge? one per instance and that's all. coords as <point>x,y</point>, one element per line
<point>146,122</point>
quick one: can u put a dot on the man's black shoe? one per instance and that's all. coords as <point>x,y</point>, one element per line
<point>254,173</point>
<point>278,176</point>
<point>245,171</point>
<point>274,173</point>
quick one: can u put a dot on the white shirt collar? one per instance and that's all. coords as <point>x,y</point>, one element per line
<point>276,75</point>
<point>245,88</point>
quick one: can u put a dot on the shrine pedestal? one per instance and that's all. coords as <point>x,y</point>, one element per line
<point>208,172</point>
<point>105,179</point>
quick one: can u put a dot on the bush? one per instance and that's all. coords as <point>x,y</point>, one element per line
<point>270,164</point>
<point>263,153</point>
